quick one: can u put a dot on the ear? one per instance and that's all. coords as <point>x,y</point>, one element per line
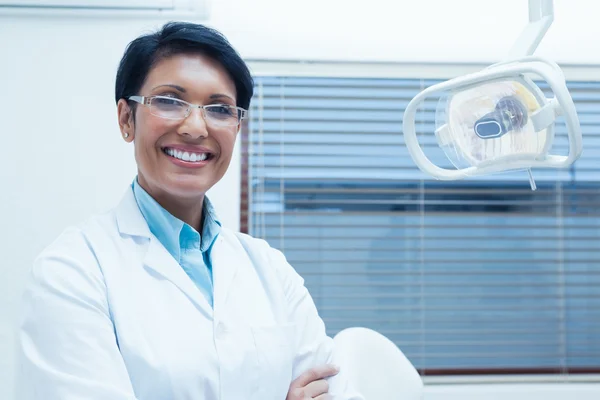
<point>126,122</point>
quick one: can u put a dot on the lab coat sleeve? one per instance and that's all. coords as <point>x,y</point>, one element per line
<point>313,345</point>
<point>67,347</point>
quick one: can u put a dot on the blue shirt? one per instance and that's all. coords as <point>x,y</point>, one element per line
<point>184,243</point>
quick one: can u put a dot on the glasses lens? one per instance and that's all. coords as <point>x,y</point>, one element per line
<point>167,107</point>
<point>223,115</point>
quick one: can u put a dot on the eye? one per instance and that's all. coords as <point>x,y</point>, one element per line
<point>221,109</point>
<point>168,103</point>
<point>167,100</point>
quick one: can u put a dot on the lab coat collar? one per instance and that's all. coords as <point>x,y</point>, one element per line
<point>131,222</point>
<point>227,254</point>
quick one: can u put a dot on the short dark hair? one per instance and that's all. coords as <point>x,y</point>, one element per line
<point>180,38</point>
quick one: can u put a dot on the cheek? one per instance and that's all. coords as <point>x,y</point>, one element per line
<point>147,134</point>
<point>227,144</point>
<point>145,148</point>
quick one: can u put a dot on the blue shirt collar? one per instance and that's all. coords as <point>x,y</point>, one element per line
<point>173,233</point>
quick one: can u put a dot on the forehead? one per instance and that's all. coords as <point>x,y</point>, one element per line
<point>200,75</point>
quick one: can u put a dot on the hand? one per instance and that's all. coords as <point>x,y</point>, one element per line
<point>312,384</point>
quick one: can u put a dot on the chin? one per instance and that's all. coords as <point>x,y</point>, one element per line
<point>187,186</point>
<point>186,189</point>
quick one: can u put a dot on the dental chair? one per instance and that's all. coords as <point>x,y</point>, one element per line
<point>376,367</point>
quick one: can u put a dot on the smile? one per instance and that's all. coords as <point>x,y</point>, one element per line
<point>187,156</point>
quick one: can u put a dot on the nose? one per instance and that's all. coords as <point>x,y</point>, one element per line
<point>194,125</point>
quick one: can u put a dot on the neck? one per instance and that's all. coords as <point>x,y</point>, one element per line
<point>187,209</point>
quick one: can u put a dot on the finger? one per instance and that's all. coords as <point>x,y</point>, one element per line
<point>314,374</point>
<point>316,388</point>
<point>324,397</point>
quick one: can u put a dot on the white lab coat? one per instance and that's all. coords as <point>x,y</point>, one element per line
<point>109,314</point>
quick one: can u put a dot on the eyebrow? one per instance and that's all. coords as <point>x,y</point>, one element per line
<point>176,87</point>
<point>220,96</point>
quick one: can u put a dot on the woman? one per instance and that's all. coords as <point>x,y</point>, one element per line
<point>155,300</point>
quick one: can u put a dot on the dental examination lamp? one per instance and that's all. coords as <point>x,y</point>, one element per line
<point>498,119</point>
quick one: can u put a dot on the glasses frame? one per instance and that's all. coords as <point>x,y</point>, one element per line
<point>147,101</point>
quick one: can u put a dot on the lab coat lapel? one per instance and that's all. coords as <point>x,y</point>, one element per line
<point>160,261</point>
<point>157,259</point>
<point>226,259</point>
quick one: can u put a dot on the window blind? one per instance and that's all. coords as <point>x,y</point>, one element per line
<point>475,276</point>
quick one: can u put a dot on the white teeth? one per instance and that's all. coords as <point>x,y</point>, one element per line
<point>186,156</point>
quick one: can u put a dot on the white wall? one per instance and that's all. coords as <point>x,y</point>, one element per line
<point>403,30</point>
<point>63,158</point>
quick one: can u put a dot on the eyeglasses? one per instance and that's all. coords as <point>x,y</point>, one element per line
<point>176,109</point>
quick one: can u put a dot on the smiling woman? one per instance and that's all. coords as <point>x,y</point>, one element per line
<point>169,125</point>
<point>154,299</point>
